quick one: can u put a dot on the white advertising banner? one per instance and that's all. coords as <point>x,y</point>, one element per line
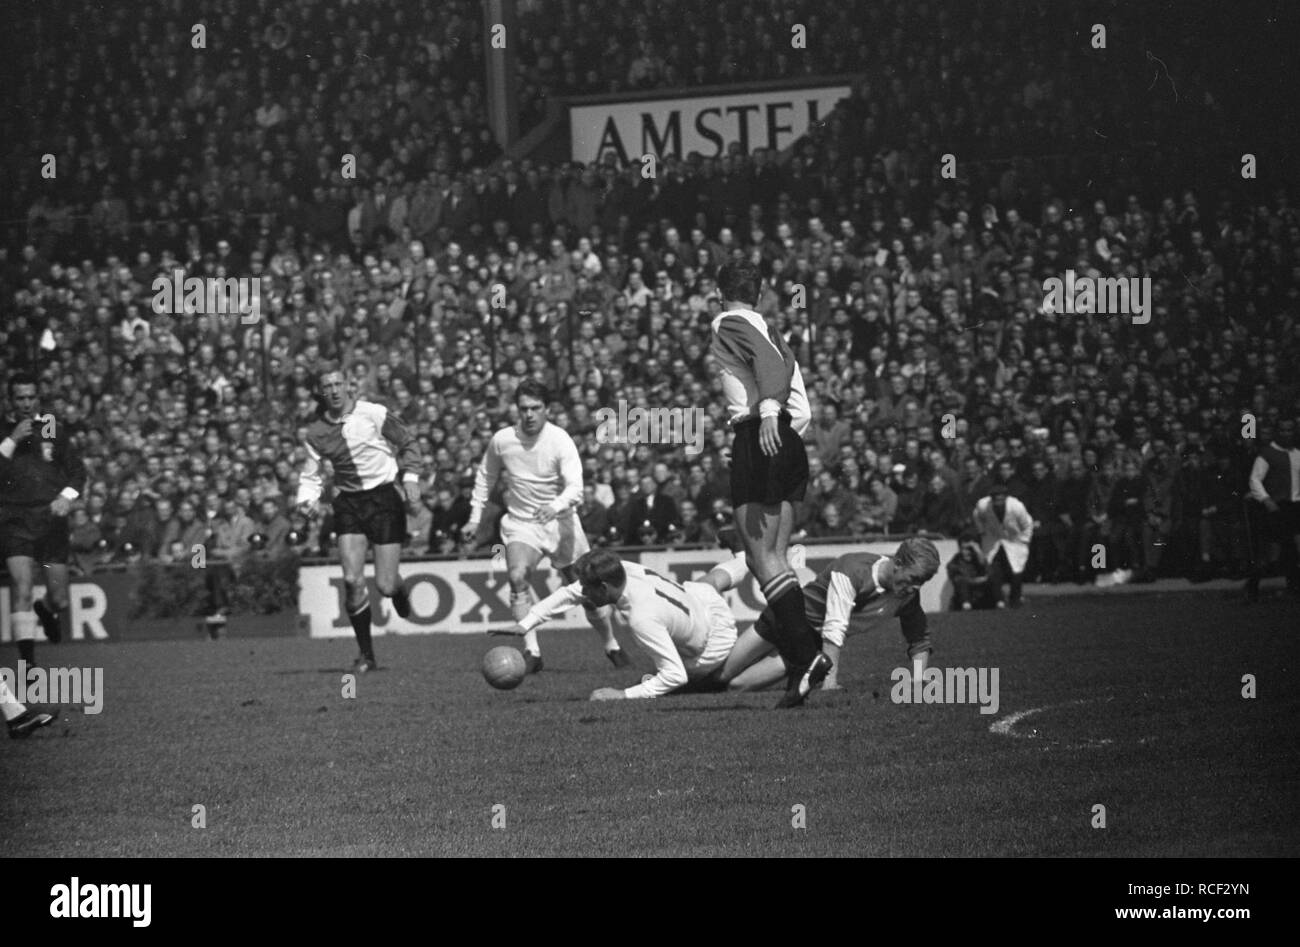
<point>472,596</point>
<point>772,119</point>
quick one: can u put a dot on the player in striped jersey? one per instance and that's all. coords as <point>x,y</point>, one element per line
<point>861,588</point>
<point>768,413</point>
<point>687,629</point>
<point>543,474</point>
<point>376,475</point>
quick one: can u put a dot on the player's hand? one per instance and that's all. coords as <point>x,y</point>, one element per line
<point>411,491</point>
<point>769,437</point>
<point>310,509</point>
<point>60,506</point>
<point>607,693</point>
<point>545,515</point>
<point>22,430</point>
<point>516,630</point>
<point>1271,505</point>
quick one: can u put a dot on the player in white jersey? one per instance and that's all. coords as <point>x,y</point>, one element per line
<point>687,629</point>
<point>543,489</point>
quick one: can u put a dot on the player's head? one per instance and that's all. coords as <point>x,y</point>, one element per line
<point>531,399</point>
<point>739,282</point>
<point>22,394</point>
<point>602,576</point>
<point>331,386</point>
<point>915,563</point>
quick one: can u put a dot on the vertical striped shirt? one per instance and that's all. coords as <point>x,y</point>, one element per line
<point>760,375</point>
<point>366,448</point>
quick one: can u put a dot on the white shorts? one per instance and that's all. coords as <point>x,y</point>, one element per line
<point>722,631</point>
<point>562,539</point>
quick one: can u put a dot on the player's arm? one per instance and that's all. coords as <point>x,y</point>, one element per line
<point>840,594</point>
<point>741,340</point>
<point>915,627</point>
<point>74,479</point>
<point>408,454</point>
<point>310,482</point>
<point>571,475</point>
<point>489,472</point>
<point>553,606</point>
<point>652,635</point>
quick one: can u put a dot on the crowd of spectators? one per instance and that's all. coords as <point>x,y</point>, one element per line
<point>445,273</point>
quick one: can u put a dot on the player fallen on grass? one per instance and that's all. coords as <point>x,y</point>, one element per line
<point>687,629</point>
<point>858,585</point>
<point>543,477</point>
<point>376,476</point>
<point>41,475</point>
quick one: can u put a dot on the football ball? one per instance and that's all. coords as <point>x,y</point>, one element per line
<point>504,667</point>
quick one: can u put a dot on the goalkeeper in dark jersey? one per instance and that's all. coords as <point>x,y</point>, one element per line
<point>376,476</point>
<point>41,475</point>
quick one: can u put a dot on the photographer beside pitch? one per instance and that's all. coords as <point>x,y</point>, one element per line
<point>376,467</point>
<point>41,474</point>
<point>768,413</point>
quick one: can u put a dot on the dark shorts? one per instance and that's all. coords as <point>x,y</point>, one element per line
<point>757,478</point>
<point>378,514</point>
<point>34,532</point>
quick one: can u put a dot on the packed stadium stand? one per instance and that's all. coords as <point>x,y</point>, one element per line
<point>933,365</point>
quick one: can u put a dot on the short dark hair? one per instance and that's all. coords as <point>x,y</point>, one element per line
<point>20,378</point>
<point>600,567</point>
<point>531,388</point>
<point>327,367</point>
<point>740,281</point>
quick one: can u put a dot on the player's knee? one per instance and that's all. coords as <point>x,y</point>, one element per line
<point>387,585</point>
<point>355,586</point>
<point>518,578</point>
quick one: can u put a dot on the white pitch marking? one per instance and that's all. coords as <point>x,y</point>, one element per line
<point>1004,727</point>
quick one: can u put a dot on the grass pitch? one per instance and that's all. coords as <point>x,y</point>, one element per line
<point>1133,703</point>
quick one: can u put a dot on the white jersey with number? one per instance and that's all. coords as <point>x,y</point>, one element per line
<point>539,471</point>
<point>687,629</point>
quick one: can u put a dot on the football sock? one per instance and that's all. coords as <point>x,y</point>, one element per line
<point>530,642</point>
<point>520,603</point>
<point>797,642</point>
<point>9,706</point>
<point>24,625</point>
<point>361,627</point>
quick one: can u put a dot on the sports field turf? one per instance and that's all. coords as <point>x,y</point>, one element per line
<point>1143,714</point>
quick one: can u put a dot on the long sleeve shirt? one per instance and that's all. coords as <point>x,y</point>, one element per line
<point>367,447</point>
<point>545,470</point>
<point>760,376</point>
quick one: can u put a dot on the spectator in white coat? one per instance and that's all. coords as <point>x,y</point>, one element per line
<point>1005,528</point>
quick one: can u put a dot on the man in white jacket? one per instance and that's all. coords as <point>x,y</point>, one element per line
<point>1005,529</point>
